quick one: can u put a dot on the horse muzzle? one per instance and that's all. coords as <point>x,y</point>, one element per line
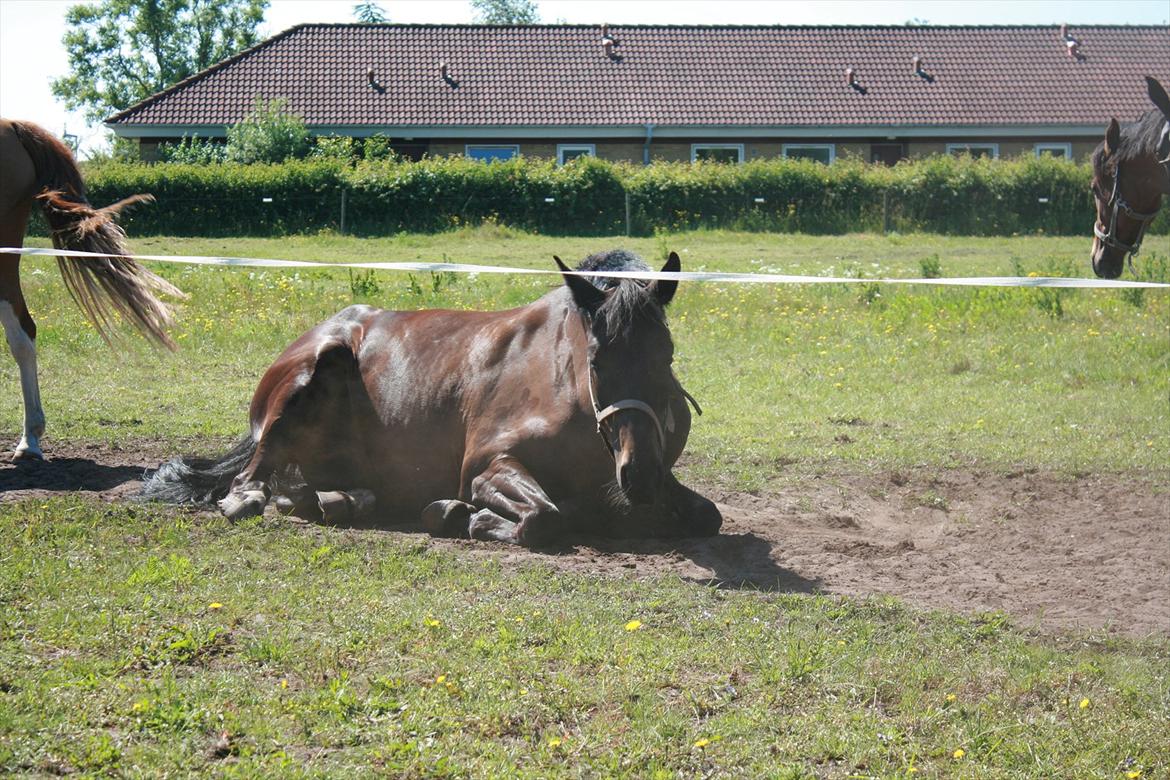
<point>1107,263</point>
<point>640,480</point>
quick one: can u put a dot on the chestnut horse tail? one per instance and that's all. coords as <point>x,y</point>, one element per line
<point>103,286</point>
<point>198,481</point>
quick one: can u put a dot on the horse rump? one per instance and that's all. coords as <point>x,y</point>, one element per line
<point>198,481</point>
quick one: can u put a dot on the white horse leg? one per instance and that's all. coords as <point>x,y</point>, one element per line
<point>24,349</point>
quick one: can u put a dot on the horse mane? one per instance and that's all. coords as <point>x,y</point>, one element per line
<point>1138,138</point>
<point>627,300</point>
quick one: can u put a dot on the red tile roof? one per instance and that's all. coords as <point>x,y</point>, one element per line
<point>675,76</point>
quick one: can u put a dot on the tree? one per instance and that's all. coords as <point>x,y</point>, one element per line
<point>123,51</point>
<point>269,134</point>
<point>369,12</point>
<point>506,11</point>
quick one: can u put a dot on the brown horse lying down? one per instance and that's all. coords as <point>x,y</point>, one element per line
<point>513,425</point>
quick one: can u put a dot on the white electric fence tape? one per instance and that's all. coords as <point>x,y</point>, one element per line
<point>689,276</point>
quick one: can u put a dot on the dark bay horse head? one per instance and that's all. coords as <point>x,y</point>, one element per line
<point>630,355</point>
<point>1131,173</point>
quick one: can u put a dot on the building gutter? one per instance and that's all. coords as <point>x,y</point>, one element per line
<point>646,143</point>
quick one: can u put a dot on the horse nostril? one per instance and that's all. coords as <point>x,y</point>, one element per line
<point>623,475</point>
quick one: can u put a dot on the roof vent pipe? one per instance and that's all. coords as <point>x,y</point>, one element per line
<point>917,63</point>
<point>850,76</point>
<point>444,72</point>
<point>372,80</point>
<point>1072,46</point>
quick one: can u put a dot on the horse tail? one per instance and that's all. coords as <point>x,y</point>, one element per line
<point>198,481</point>
<point>102,286</point>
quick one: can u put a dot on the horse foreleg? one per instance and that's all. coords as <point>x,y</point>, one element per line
<point>512,506</point>
<point>21,331</point>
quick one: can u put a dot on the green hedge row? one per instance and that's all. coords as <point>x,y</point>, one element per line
<point>591,197</point>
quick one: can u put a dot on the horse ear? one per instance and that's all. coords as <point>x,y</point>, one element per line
<point>1112,137</point>
<point>1158,94</point>
<point>585,295</point>
<point>664,289</point>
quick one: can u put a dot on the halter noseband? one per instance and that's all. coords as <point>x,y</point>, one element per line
<point>601,415</point>
<point>1109,237</point>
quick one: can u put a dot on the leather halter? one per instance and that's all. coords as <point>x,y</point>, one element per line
<point>1108,237</point>
<point>601,415</point>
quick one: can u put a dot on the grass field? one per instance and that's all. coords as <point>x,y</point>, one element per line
<point>1067,380</point>
<point>145,641</point>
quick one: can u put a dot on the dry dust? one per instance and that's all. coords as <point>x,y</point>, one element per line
<point>1055,552</point>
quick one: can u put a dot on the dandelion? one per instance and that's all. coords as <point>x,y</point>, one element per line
<point>430,622</point>
<point>555,742</point>
<point>951,697</point>
<point>633,625</point>
<point>283,684</point>
<point>959,753</point>
<point>215,605</point>
<point>442,678</point>
<point>1084,705</point>
<point>702,743</point>
<point>1133,774</point>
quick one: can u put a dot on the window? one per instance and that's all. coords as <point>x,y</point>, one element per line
<point>490,153</point>
<point>569,152</point>
<point>824,153</point>
<point>975,150</point>
<point>1061,149</point>
<point>724,153</point>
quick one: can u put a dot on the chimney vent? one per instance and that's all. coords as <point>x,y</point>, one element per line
<point>444,72</point>
<point>608,42</point>
<point>917,63</point>
<point>372,80</point>
<point>850,76</point>
<point>1072,46</point>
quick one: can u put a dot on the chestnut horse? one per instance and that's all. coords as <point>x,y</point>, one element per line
<point>515,426</point>
<point>1131,173</point>
<point>35,167</point>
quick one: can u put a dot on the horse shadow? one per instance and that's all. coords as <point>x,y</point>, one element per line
<point>65,475</point>
<point>737,561</point>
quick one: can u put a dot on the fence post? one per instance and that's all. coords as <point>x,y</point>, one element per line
<point>627,213</point>
<point>885,211</point>
<point>343,198</point>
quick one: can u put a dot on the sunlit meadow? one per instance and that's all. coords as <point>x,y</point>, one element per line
<point>146,641</point>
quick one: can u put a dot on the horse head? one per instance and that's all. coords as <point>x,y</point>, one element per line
<point>1131,173</point>
<point>629,378</point>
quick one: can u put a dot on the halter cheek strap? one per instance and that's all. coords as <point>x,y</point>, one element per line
<point>1108,237</point>
<point>601,415</point>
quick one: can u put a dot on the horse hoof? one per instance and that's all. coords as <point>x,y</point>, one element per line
<point>447,518</point>
<point>27,455</point>
<point>345,507</point>
<point>241,505</point>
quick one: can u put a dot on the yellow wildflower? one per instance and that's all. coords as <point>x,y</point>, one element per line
<point>215,605</point>
<point>633,625</point>
<point>959,753</point>
<point>702,743</point>
<point>951,697</point>
<point>1084,705</point>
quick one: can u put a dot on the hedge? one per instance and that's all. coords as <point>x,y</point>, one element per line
<point>939,194</point>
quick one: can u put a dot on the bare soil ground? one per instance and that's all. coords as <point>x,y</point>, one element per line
<point>1054,552</point>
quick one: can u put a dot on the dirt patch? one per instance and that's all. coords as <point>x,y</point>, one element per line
<point>1052,551</point>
